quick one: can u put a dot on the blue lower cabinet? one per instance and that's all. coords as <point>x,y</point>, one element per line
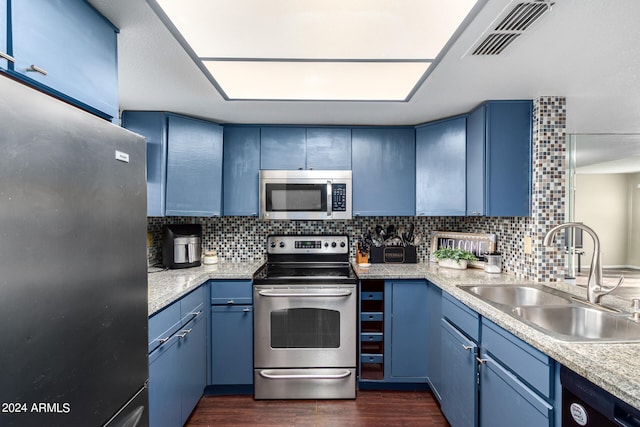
<point>406,322</point>
<point>192,347</point>
<point>232,345</point>
<point>490,377</point>
<point>434,356</point>
<point>231,336</point>
<point>165,403</point>
<point>459,390</point>
<point>178,362</point>
<point>506,401</point>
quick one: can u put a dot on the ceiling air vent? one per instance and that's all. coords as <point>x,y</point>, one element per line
<point>512,26</point>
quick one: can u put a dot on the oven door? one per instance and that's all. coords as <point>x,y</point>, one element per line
<point>305,326</point>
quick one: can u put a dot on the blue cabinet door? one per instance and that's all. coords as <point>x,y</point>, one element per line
<point>328,148</point>
<point>384,174</point>
<point>192,350</point>
<point>441,168</point>
<point>499,159</point>
<point>241,165</point>
<point>434,356</point>
<point>282,148</point>
<point>232,345</point>
<point>459,382</point>
<point>194,168</point>
<point>4,23</point>
<point>152,125</point>
<point>73,44</point>
<point>406,323</point>
<point>508,154</point>
<point>506,401</point>
<point>165,402</point>
<point>475,161</point>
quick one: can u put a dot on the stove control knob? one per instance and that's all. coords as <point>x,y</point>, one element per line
<point>343,244</point>
<point>282,244</point>
<point>273,244</point>
<point>333,244</point>
<point>326,244</point>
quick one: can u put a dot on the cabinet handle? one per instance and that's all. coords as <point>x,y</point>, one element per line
<point>482,361</point>
<point>467,347</point>
<point>37,69</point>
<point>184,333</point>
<point>164,340</point>
<point>275,376</point>
<point>195,314</point>
<point>7,57</point>
<point>230,301</point>
<point>476,213</point>
<point>246,310</point>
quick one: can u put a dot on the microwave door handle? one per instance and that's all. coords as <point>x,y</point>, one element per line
<point>329,199</point>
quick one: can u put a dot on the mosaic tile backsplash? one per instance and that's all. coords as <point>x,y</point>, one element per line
<point>244,238</point>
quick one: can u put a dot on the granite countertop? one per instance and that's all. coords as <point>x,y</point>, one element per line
<point>614,367</point>
<point>166,286</point>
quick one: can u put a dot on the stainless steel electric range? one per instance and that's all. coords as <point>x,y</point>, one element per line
<point>305,312</point>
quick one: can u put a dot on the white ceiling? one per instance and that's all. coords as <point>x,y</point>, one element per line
<point>586,50</point>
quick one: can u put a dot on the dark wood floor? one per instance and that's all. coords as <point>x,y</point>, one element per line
<point>370,408</point>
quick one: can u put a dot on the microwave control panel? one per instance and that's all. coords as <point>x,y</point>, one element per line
<point>339,197</point>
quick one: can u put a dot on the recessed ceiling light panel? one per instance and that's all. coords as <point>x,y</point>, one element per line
<point>312,80</point>
<point>303,49</point>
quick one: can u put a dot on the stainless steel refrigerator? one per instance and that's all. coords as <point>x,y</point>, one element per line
<point>73,266</point>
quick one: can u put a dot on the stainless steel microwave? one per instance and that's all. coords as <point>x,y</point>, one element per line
<point>305,194</point>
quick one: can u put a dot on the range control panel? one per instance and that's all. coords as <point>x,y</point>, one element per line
<point>307,244</point>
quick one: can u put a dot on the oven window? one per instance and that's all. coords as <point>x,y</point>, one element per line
<point>296,197</point>
<point>305,328</point>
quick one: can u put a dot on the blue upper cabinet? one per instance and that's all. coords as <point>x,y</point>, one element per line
<point>3,34</point>
<point>499,159</point>
<point>184,163</point>
<point>305,148</point>
<point>73,44</point>
<point>328,148</point>
<point>383,164</point>
<point>194,168</point>
<point>152,125</point>
<point>241,163</point>
<point>283,148</point>
<point>441,168</point>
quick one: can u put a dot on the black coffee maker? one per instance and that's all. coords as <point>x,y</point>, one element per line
<point>181,245</point>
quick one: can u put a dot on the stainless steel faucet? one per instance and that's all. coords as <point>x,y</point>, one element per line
<point>595,291</point>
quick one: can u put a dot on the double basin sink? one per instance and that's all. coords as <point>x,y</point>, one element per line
<point>559,314</point>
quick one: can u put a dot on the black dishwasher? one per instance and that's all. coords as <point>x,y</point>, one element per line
<point>586,404</point>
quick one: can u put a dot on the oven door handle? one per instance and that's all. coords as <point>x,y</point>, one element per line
<point>271,376</point>
<point>287,294</point>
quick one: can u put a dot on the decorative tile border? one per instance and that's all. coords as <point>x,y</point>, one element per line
<point>548,192</point>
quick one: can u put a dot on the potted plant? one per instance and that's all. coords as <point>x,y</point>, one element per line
<point>453,258</point>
